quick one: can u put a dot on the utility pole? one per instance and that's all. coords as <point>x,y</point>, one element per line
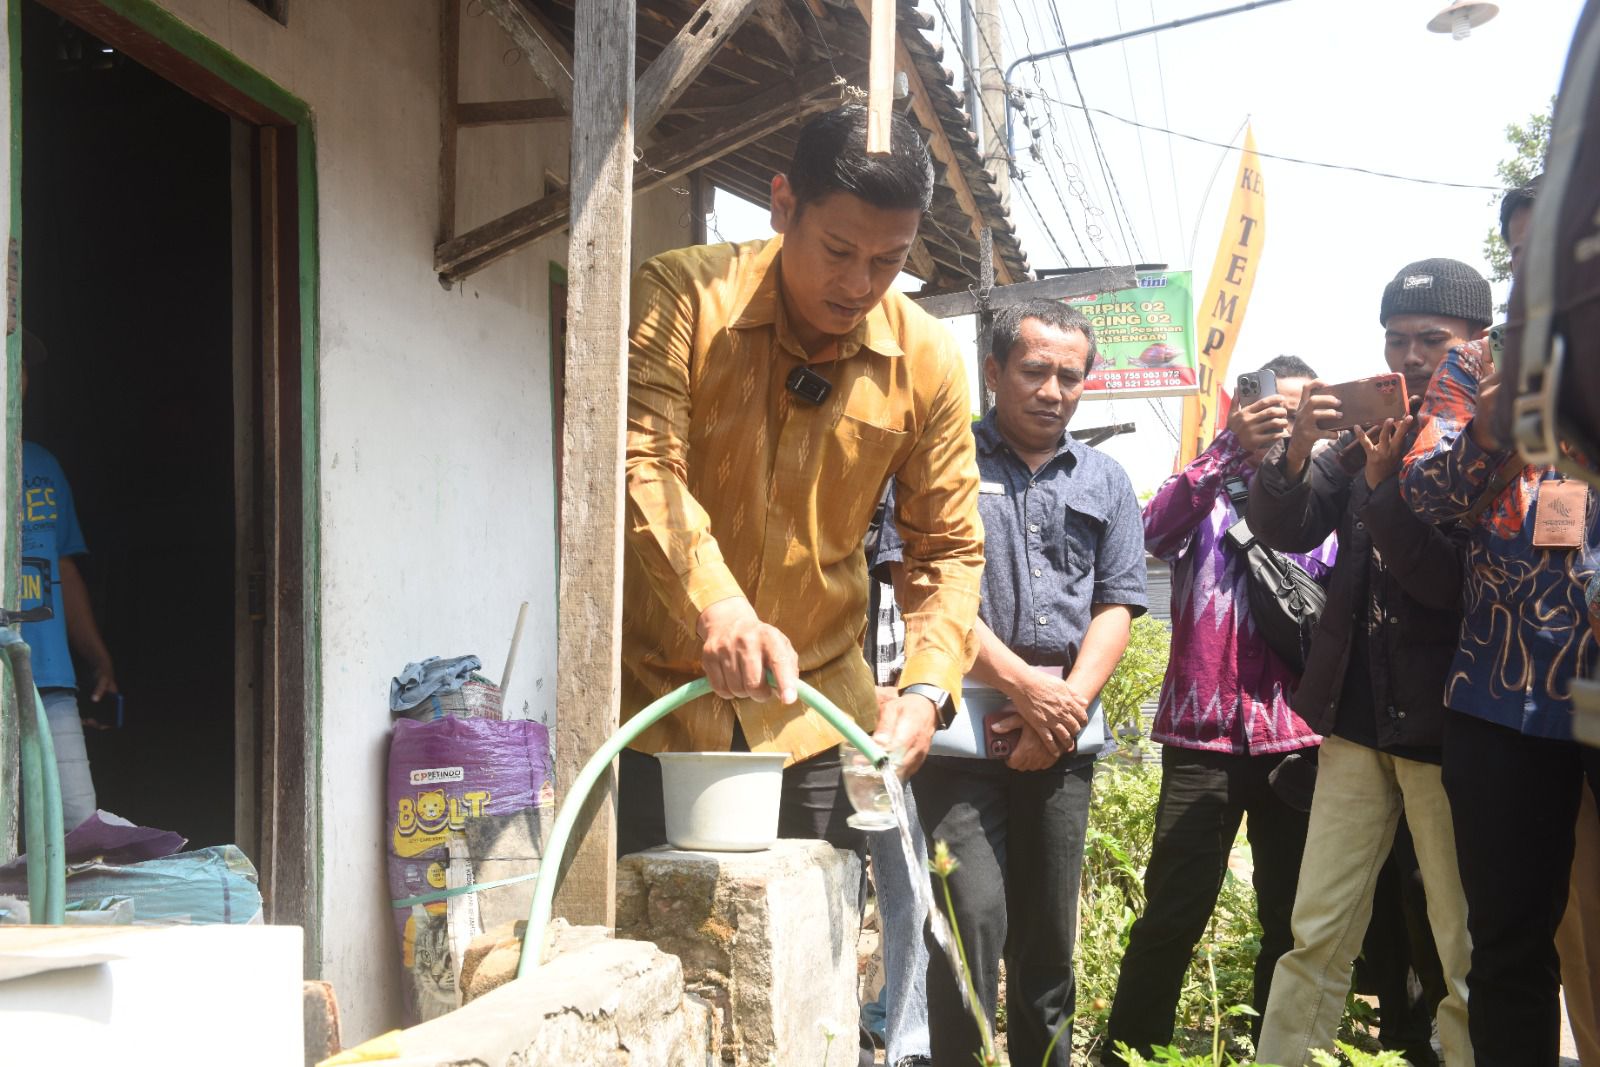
<point>969,48</point>
<point>992,86</point>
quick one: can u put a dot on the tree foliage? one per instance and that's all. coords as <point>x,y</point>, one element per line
<point>1530,141</point>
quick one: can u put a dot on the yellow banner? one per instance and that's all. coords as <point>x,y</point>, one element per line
<point>1219,310</point>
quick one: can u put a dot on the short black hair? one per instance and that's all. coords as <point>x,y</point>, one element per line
<point>831,157</point>
<point>1515,200</point>
<point>1289,367</point>
<point>1008,326</point>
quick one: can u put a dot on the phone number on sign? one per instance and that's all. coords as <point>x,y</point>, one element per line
<point>1166,377</point>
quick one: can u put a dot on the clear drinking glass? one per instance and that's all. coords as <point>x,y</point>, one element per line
<point>863,784</point>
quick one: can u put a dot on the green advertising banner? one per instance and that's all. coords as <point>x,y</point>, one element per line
<point>1145,337</point>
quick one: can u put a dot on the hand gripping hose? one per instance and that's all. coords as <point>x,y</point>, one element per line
<point>555,850</point>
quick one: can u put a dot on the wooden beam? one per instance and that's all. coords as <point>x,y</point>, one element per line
<point>589,648</point>
<point>1095,436</point>
<point>985,315</point>
<point>532,33</point>
<point>685,56</point>
<point>776,19</point>
<point>659,24</point>
<point>509,112</point>
<point>920,261</point>
<point>702,99</point>
<point>666,161</point>
<point>449,86</point>
<point>939,142</point>
<point>1061,287</point>
<point>701,203</point>
<point>880,75</point>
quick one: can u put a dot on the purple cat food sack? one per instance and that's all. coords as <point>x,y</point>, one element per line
<point>469,804</point>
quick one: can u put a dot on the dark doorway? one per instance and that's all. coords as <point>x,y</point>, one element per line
<point>127,277</point>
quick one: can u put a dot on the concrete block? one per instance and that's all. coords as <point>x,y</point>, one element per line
<point>492,958</point>
<point>768,939</point>
<point>607,1003</point>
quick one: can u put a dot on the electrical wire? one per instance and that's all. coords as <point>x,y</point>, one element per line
<point>1349,167</point>
<point>1105,165</point>
<point>1166,422</point>
<point>1075,180</point>
<point>1205,197</point>
<point>990,119</point>
<point>1126,223</point>
<point>1161,80</point>
<point>1144,160</point>
<point>1071,174</point>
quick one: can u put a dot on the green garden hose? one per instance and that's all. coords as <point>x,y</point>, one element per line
<point>556,848</point>
<point>43,836</point>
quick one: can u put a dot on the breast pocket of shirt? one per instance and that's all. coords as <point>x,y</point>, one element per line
<point>1083,524</point>
<point>863,447</point>
<point>857,459</point>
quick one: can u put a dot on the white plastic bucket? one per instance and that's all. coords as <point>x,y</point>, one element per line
<point>721,801</point>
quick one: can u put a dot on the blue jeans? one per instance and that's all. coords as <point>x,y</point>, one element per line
<point>901,918</point>
<point>72,759</point>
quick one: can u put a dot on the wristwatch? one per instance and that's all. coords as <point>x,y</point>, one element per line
<point>944,709</point>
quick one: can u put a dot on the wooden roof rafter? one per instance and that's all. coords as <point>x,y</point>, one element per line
<point>539,43</point>
<point>668,159</point>
<point>755,49</point>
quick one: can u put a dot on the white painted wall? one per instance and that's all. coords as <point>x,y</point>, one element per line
<point>437,495</point>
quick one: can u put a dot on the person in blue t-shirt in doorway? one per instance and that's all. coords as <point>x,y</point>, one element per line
<point>50,540</point>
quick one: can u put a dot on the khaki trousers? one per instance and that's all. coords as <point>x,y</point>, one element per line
<point>1578,938</point>
<point>1360,795</point>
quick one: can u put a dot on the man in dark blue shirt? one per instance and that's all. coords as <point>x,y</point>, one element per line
<point>1063,579</point>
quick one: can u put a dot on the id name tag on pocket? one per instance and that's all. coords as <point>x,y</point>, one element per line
<point>991,489</point>
<point>1560,515</point>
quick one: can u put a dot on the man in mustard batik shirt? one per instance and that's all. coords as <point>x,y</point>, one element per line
<point>773,389</point>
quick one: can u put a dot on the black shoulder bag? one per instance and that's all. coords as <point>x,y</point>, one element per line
<point>1285,601</point>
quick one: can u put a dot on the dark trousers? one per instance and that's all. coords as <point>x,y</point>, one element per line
<point>1018,838</point>
<point>814,804</point>
<point>1514,802</point>
<point>1203,797</point>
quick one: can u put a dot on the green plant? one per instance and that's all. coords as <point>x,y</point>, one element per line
<point>1139,673</point>
<point>943,864</point>
<point>1171,1057</point>
<point>1213,1011</point>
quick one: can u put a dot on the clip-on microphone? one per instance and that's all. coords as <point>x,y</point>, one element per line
<point>808,385</point>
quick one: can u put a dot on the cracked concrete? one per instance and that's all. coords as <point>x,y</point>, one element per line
<point>605,1003</point>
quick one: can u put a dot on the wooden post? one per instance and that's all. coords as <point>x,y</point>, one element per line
<point>449,92</point>
<point>702,201</point>
<point>880,78</point>
<point>985,314</point>
<point>992,97</point>
<point>589,680</point>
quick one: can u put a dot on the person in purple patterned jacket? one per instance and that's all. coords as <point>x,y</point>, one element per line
<point>1225,726</point>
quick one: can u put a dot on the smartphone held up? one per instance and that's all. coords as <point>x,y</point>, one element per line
<point>1255,385</point>
<point>1366,401</point>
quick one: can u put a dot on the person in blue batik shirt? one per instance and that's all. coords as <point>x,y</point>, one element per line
<point>50,540</point>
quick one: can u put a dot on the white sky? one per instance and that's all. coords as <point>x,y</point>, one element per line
<point>1360,83</point>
